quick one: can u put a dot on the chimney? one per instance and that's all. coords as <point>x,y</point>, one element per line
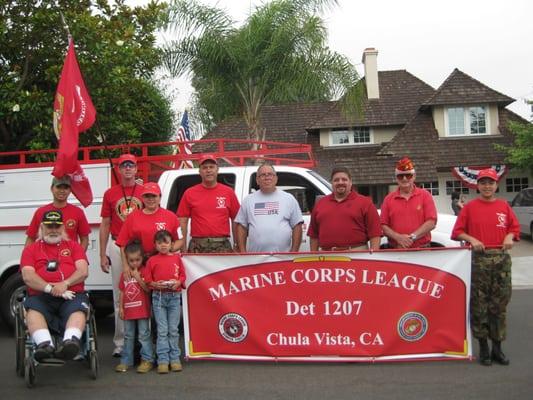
<point>370,59</point>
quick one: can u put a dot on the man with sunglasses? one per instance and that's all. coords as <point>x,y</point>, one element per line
<point>119,201</point>
<point>270,219</point>
<point>408,215</point>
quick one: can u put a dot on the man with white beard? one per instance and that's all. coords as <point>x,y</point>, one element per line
<point>54,269</point>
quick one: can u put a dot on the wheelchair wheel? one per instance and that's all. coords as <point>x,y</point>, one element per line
<point>93,360</point>
<point>29,372</point>
<point>20,339</point>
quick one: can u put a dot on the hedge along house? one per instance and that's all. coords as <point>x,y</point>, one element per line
<point>449,133</point>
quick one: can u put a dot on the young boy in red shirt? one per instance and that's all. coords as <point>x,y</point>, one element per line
<point>490,226</point>
<point>135,311</point>
<point>166,276</point>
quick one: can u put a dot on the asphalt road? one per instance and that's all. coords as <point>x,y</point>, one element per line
<point>240,380</point>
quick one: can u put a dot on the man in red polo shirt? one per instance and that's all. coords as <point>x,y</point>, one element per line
<point>345,219</point>
<point>119,201</point>
<point>408,214</point>
<point>210,206</point>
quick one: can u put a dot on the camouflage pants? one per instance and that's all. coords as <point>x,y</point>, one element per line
<point>210,245</point>
<point>490,293</point>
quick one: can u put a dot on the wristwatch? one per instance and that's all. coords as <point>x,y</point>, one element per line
<point>412,236</point>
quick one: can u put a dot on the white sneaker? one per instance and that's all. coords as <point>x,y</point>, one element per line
<point>117,352</point>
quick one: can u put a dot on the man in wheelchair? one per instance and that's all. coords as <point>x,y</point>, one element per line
<point>54,269</point>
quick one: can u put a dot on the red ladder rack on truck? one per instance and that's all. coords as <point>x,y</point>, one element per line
<point>25,179</point>
<point>234,152</point>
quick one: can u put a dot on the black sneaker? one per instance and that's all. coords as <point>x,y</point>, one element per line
<point>43,351</point>
<point>69,348</point>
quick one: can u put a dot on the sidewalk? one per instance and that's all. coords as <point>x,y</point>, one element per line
<point>523,272</point>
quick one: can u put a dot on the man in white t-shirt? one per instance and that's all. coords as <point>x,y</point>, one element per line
<point>269,220</point>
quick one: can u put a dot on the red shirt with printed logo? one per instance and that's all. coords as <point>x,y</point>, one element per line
<point>74,220</point>
<point>165,267</point>
<point>406,215</point>
<point>135,301</point>
<point>210,209</point>
<point>65,253</point>
<point>117,207</point>
<point>487,221</point>
<point>143,227</point>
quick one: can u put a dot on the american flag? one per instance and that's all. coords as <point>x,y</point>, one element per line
<point>266,208</point>
<point>184,134</point>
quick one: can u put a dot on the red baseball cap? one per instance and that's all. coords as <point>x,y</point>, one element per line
<point>151,188</point>
<point>208,157</point>
<point>127,157</point>
<point>488,173</point>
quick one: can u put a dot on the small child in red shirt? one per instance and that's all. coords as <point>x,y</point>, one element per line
<point>135,311</point>
<point>166,276</point>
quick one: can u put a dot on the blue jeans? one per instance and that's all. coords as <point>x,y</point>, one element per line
<point>167,312</point>
<point>145,339</point>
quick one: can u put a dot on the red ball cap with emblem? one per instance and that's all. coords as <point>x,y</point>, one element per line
<point>208,157</point>
<point>488,173</point>
<point>151,188</point>
<point>127,157</point>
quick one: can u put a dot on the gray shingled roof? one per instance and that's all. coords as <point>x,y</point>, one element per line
<point>401,98</point>
<point>460,88</point>
<point>401,94</point>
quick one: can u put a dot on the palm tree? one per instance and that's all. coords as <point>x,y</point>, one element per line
<point>279,55</point>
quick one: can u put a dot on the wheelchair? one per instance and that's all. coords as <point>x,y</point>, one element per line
<point>26,365</point>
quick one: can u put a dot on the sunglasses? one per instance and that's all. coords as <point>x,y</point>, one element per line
<point>404,176</point>
<point>127,164</point>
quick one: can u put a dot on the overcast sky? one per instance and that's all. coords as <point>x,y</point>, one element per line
<point>490,40</point>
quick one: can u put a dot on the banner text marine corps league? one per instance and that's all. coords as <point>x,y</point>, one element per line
<point>347,306</point>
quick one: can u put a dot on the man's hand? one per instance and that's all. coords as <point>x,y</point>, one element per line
<point>477,245</point>
<point>59,288</point>
<point>507,243</point>
<point>105,263</point>
<point>404,241</point>
<point>127,272</point>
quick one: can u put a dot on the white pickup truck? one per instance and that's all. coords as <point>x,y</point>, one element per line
<point>25,189</point>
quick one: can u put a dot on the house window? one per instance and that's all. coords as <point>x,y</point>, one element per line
<point>431,187</point>
<point>340,137</point>
<point>516,184</point>
<point>361,135</point>
<point>463,121</point>
<point>456,186</point>
<point>355,136</point>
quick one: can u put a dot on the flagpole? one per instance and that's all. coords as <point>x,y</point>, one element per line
<point>98,130</point>
<point>65,25</point>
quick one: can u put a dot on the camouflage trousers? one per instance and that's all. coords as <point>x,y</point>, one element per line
<point>490,293</point>
<point>210,245</point>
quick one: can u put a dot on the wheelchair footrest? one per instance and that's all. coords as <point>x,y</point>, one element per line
<point>53,362</point>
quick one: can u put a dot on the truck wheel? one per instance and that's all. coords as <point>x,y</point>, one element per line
<point>12,292</point>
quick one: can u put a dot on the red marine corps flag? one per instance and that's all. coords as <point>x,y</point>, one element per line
<point>73,113</point>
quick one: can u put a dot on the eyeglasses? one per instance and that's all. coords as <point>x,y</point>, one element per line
<point>127,164</point>
<point>267,175</point>
<point>402,176</point>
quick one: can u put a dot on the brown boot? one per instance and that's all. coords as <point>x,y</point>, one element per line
<point>484,354</point>
<point>497,353</point>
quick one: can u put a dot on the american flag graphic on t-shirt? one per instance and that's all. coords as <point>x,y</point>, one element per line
<point>266,208</point>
